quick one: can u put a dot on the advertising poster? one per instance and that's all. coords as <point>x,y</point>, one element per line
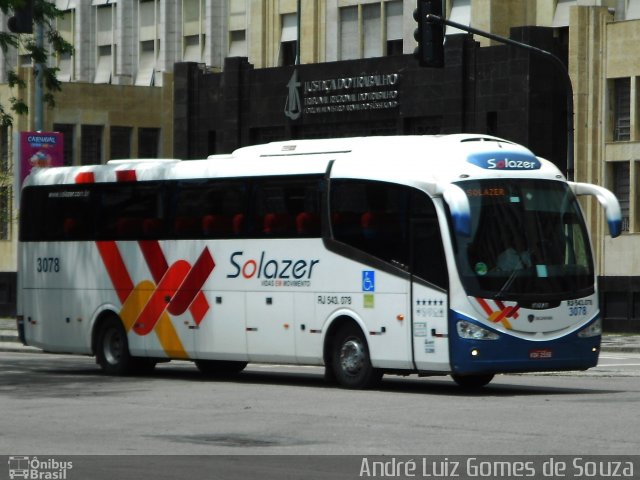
<point>40,149</point>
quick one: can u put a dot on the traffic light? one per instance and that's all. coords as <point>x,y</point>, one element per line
<point>429,34</point>
<point>22,20</point>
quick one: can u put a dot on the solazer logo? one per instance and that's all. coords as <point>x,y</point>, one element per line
<point>505,161</point>
<point>38,469</point>
<point>267,267</point>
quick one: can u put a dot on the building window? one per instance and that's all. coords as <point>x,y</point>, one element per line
<point>238,43</point>
<point>65,61</point>
<point>149,142</point>
<point>105,43</point>
<point>91,144</point>
<point>371,30</point>
<point>192,30</point>
<point>393,13</point>
<point>147,64</point>
<point>621,189</point>
<point>66,130</point>
<point>349,38</point>
<point>120,142</point>
<point>562,13</point>
<point>633,11</point>
<point>288,40</point>
<point>460,13</point>
<point>237,28</point>
<point>104,67</point>
<point>622,110</point>
<point>149,43</point>
<point>192,50</point>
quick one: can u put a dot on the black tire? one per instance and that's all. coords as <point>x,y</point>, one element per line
<point>112,348</point>
<point>473,382</point>
<point>351,361</point>
<point>220,368</point>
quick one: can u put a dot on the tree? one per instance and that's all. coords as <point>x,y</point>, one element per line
<point>44,12</point>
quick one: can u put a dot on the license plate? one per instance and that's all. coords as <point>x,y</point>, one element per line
<point>540,354</point>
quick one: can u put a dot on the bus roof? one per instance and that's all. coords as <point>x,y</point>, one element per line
<point>412,160</point>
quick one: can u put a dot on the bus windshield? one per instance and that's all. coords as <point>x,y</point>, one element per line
<point>528,242</point>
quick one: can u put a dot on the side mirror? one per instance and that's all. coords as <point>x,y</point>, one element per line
<point>607,199</point>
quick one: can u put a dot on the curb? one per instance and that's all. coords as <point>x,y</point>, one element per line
<point>17,347</point>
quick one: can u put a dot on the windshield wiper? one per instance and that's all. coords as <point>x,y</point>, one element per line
<point>506,284</point>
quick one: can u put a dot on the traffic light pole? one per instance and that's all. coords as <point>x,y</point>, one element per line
<point>559,63</point>
<point>38,117</point>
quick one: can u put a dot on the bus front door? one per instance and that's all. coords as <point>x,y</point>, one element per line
<point>429,297</point>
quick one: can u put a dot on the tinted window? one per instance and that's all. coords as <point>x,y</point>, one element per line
<point>287,208</point>
<point>199,208</point>
<point>380,219</point>
<point>57,213</point>
<point>131,211</point>
<point>208,209</point>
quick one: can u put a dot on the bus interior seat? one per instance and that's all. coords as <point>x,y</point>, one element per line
<point>277,224</point>
<point>216,225</point>
<point>308,223</point>
<point>237,223</point>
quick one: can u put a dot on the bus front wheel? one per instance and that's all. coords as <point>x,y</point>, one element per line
<point>472,381</point>
<point>112,348</point>
<point>351,361</point>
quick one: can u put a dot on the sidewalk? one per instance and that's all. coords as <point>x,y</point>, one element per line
<point>9,342</point>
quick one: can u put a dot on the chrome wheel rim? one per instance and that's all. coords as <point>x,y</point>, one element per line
<point>113,346</point>
<point>352,356</point>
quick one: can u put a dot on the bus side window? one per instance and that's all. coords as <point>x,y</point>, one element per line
<point>288,207</point>
<point>207,208</point>
<point>372,217</point>
<point>131,212</point>
<point>56,213</point>
<point>31,224</point>
<point>428,260</point>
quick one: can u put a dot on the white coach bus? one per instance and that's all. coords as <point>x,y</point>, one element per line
<point>463,254</point>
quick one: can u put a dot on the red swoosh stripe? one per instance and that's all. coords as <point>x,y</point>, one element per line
<point>193,283</point>
<point>116,268</point>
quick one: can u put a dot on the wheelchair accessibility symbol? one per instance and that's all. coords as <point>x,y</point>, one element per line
<point>368,281</point>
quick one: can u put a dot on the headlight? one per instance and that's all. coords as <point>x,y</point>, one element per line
<point>474,332</point>
<point>592,330</point>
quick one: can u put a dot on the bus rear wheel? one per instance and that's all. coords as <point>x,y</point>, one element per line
<point>220,368</point>
<point>112,348</point>
<point>351,361</point>
<point>473,381</point>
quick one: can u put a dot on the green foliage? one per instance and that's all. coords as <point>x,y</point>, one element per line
<point>44,12</point>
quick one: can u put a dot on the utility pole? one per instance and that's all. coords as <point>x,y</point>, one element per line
<point>559,63</point>
<point>299,7</point>
<point>39,96</point>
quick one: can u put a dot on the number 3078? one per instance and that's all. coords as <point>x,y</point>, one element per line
<point>47,264</point>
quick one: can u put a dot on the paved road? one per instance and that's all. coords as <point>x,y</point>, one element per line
<point>61,405</point>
